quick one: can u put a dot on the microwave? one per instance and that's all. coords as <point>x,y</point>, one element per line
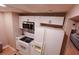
<point>28,25</point>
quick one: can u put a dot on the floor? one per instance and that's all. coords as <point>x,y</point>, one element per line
<point>71,49</point>
<point>8,51</point>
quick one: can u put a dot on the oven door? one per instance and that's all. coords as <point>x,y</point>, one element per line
<point>23,47</point>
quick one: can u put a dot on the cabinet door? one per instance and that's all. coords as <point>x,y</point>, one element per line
<point>44,19</point>
<point>57,20</point>
<point>53,41</point>
<point>52,20</point>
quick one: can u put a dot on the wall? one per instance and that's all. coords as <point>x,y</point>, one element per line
<point>15,20</point>
<point>9,28</point>
<point>77,27</point>
<point>69,23</point>
<point>3,34</point>
<point>11,23</point>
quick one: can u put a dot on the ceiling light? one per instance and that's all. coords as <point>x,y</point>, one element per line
<point>2,5</point>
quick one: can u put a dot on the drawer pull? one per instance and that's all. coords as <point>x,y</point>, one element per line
<point>22,47</point>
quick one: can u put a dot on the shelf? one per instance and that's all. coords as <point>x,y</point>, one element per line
<point>76,18</point>
<point>51,25</point>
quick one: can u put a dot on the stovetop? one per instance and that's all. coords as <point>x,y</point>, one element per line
<point>27,39</point>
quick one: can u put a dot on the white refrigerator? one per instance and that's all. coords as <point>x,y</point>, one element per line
<point>47,41</point>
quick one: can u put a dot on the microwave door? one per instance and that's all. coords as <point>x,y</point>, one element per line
<point>26,26</point>
<point>31,26</point>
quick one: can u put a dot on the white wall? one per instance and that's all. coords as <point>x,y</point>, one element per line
<point>15,20</point>
<point>9,25</point>
<point>3,34</point>
<point>9,28</point>
<point>77,27</point>
<point>69,23</point>
<point>12,26</point>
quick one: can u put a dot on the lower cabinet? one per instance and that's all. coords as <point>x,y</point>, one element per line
<point>36,48</point>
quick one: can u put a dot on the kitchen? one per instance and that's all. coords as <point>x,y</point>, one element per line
<point>41,33</point>
<point>30,31</point>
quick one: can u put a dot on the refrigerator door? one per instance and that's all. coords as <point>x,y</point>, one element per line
<point>37,45</point>
<point>53,41</point>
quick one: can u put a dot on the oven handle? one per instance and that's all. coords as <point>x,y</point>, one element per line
<point>22,47</point>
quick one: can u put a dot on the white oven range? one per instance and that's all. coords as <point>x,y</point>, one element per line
<point>23,45</point>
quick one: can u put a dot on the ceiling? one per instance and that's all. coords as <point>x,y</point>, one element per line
<point>36,8</point>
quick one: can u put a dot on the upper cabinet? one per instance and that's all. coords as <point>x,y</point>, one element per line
<point>55,21</point>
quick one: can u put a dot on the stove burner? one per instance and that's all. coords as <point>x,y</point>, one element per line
<point>26,39</point>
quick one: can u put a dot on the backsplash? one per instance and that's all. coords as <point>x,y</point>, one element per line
<point>29,34</point>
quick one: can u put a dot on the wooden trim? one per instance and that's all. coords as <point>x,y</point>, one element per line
<point>51,25</point>
<point>43,14</point>
<point>62,52</point>
<point>64,20</point>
